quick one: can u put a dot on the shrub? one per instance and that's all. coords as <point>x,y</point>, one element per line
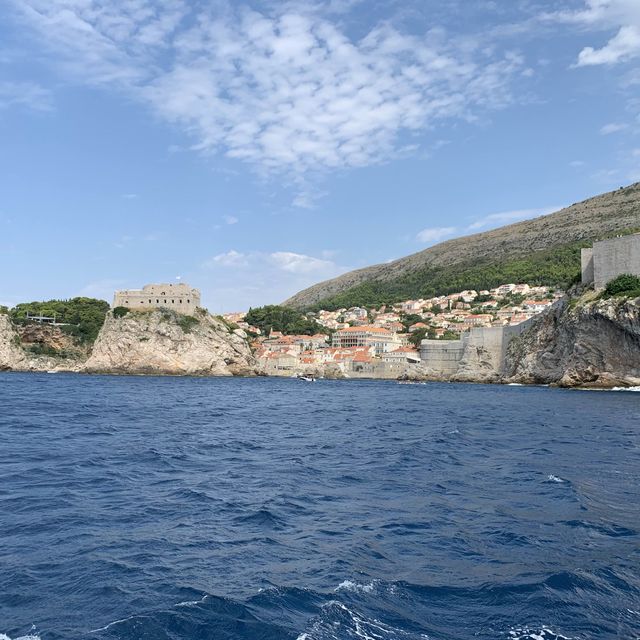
<point>3,310</point>
<point>624,285</point>
<point>186,323</point>
<point>120,312</point>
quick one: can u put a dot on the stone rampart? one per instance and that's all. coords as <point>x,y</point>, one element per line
<point>609,259</point>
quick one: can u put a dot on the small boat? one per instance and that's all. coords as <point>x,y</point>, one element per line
<point>307,378</point>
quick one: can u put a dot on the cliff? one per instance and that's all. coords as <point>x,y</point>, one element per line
<point>163,342</point>
<point>12,356</point>
<point>584,342</point>
<point>545,250</point>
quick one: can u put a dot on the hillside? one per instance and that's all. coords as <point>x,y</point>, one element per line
<point>545,250</point>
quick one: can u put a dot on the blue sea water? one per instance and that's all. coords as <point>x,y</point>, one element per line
<point>263,509</point>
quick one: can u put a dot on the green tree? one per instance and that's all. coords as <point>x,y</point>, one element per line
<point>83,317</point>
<point>283,319</point>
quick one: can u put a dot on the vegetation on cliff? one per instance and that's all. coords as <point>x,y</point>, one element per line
<point>83,317</point>
<point>626,285</point>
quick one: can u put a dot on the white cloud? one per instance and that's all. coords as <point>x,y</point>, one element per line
<point>623,16</point>
<point>612,127</point>
<point>576,164</point>
<point>25,94</point>
<point>509,217</point>
<point>435,234</point>
<point>289,91</point>
<point>129,196</point>
<point>231,220</point>
<point>231,258</point>
<point>298,263</point>
<point>256,277</point>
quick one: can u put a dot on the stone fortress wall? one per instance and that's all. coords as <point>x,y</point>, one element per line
<point>609,259</point>
<point>179,296</point>
<point>445,357</point>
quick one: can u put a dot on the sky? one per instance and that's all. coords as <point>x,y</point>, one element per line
<point>252,149</point>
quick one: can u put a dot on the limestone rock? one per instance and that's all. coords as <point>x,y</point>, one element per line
<point>583,342</point>
<point>163,342</point>
<point>12,356</point>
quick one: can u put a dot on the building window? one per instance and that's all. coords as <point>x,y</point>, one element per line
<point>157,301</point>
<point>173,302</point>
<point>165,302</point>
<point>188,301</point>
<point>149,301</point>
<point>180,301</point>
<point>162,293</point>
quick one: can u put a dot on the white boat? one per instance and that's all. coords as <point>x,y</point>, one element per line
<point>307,378</point>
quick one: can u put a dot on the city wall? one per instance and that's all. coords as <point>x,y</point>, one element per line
<point>445,357</point>
<point>609,259</point>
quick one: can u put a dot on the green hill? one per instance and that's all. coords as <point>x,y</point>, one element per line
<point>545,250</point>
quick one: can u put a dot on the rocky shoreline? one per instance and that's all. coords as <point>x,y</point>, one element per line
<point>583,342</point>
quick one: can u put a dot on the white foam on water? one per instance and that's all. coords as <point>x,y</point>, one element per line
<point>107,626</point>
<point>190,603</point>
<point>337,622</point>
<point>356,587</point>
<point>29,636</point>
<point>625,389</point>
<point>545,633</point>
<point>552,478</point>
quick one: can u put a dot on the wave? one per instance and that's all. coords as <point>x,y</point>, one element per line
<point>32,635</point>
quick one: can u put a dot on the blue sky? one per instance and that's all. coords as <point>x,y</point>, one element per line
<point>255,148</point>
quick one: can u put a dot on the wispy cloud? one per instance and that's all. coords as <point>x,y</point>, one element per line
<point>25,94</point>
<point>508,217</point>
<point>437,234</point>
<point>286,91</point>
<point>231,220</point>
<point>257,277</point>
<point>612,127</point>
<point>230,258</point>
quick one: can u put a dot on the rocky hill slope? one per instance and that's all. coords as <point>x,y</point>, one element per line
<point>545,250</point>
<point>163,342</point>
<point>583,342</point>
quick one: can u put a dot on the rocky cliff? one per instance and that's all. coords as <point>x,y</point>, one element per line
<point>585,341</point>
<point>163,342</point>
<point>12,356</point>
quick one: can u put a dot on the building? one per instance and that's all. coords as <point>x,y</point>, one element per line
<point>179,296</point>
<point>609,259</point>
<point>381,339</point>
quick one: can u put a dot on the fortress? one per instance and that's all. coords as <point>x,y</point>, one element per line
<point>180,297</point>
<point>609,259</point>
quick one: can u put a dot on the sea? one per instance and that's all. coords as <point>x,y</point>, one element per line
<point>161,508</point>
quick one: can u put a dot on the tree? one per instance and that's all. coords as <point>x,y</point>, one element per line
<point>83,317</point>
<point>283,319</point>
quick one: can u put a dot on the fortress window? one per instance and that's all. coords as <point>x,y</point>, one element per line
<point>165,302</point>
<point>173,302</point>
<point>188,302</point>
<point>180,301</point>
<point>157,301</point>
<point>163,294</point>
<point>149,301</point>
